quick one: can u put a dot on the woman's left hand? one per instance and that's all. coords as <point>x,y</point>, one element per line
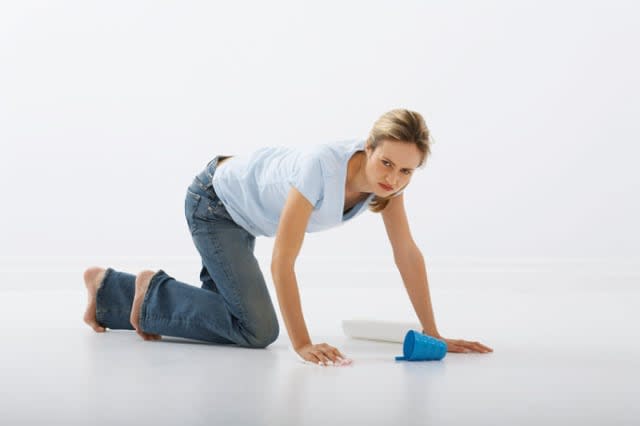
<point>464,346</point>
<point>455,345</point>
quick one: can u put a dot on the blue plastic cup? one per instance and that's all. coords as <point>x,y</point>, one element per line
<point>420,347</point>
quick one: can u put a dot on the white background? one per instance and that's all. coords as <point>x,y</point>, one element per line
<point>108,110</point>
<point>526,212</point>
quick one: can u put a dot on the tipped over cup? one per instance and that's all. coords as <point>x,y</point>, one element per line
<point>420,347</point>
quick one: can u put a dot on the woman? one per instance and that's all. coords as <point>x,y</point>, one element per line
<point>281,192</point>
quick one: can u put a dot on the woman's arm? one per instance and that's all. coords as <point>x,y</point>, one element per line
<point>410,263</point>
<point>414,275</point>
<point>289,236</point>
<point>288,241</point>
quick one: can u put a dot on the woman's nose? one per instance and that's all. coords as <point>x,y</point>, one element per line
<point>392,179</point>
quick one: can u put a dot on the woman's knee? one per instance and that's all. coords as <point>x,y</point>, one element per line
<point>264,334</point>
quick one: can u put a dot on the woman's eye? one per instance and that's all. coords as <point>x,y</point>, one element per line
<point>386,163</point>
<point>407,172</point>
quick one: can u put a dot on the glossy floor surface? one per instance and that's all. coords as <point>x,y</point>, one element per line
<point>566,352</point>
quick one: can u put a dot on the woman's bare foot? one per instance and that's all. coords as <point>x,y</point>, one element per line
<point>92,280</point>
<point>142,283</point>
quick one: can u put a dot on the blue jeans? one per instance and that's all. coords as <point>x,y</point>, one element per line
<point>232,306</point>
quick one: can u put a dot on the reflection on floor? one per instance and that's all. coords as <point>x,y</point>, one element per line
<point>565,351</point>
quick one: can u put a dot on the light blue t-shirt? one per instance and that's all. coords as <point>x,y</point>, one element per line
<point>254,187</point>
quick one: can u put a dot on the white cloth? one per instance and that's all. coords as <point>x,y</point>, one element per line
<point>380,330</point>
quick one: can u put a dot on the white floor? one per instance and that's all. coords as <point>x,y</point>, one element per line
<point>566,352</point>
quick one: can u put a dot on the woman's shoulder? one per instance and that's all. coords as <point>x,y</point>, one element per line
<point>331,156</point>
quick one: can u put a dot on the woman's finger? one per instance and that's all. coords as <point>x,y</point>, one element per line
<point>333,355</point>
<point>313,358</point>
<point>481,347</point>
<point>336,355</point>
<point>327,354</point>
<point>475,346</point>
<point>487,348</point>
<point>323,358</point>
<point>459,345</point>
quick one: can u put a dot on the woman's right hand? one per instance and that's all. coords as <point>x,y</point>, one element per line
<point>322,354</point>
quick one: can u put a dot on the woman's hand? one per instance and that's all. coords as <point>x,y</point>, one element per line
<point>454,345</point>
<point>322,354</point>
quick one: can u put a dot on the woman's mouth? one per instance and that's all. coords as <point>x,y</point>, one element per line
<point>385,187</point>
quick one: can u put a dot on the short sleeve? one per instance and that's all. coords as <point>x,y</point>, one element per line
<point>309,179</point>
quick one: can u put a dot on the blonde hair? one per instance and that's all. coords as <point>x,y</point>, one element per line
<point>404,126</point>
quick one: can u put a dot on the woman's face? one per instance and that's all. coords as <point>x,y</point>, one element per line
<point>391,165</point>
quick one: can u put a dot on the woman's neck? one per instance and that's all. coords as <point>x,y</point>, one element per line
<point>356,181</point>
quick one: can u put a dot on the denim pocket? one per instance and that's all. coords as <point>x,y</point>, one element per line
<point>193,195</point>
<point>211,209</point>
<point>191,203</point>
<point>218,209</point>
